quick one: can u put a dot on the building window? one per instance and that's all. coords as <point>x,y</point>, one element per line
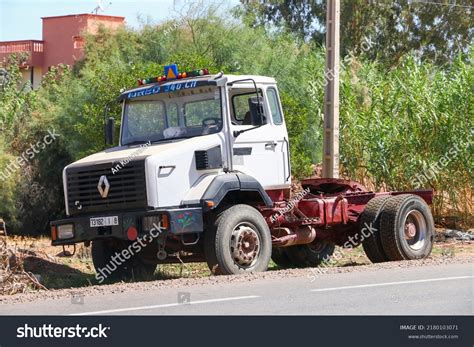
<point>78,42</point>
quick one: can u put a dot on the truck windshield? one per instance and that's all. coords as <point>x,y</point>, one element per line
<point>181,114</point>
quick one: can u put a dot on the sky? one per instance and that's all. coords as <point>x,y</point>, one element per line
<point>21,19</point>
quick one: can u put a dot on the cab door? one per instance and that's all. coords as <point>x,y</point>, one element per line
<point>262,150</point>
<point>280,134</point>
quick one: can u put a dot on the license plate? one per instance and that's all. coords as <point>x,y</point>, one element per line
<point>104,221</point>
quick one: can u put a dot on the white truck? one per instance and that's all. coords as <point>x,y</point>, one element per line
<point>203,166</point>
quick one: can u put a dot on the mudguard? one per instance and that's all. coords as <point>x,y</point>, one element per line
<point>223,184</point>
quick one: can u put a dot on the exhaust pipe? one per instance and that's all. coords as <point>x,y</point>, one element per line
<point>304,235</point>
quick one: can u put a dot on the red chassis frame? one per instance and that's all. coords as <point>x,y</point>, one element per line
<point>329,211</point>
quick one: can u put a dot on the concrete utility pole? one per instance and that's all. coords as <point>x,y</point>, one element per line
<point>331,97</point>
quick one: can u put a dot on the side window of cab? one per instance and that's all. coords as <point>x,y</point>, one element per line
<point>245,108</point>
<point>274,103</point>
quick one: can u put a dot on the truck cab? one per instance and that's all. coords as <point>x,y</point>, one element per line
<point>191,145</point>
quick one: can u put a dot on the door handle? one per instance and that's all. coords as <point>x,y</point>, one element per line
<point>270,146</point>
<point>288,159</point>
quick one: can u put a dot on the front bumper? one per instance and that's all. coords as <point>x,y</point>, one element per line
<point>180,221</point>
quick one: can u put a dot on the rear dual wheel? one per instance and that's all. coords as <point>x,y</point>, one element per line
<point>407,228</point>
<point>309,255</point>
<point>369,225</point>
<point>397,227</point>
<point>280,257</point>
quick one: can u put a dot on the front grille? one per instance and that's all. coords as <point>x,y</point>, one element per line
<point>127,188</point>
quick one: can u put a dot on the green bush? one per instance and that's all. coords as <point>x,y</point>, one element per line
<point>410,127</point>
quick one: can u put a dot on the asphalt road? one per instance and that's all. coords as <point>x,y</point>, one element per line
<point>428,290</point>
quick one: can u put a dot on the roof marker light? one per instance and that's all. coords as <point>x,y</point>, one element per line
<point>171,73</point>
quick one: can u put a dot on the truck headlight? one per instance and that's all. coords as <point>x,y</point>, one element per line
<point>65,231</point>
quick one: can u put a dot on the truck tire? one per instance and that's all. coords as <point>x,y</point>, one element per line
<point>407,228</point>
<point>280,257</point>
<point>102,252</point>
<point>239,241</point>
<point>310,255</point>
<point>370,219</point>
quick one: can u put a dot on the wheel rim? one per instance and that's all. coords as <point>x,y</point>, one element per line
<point>415,230</point>
<point>245,245</point>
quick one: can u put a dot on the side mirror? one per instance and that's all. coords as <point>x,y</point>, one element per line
<point>109,131</point>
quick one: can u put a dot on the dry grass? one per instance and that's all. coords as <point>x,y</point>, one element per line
<point>25,260</point>
<point>13,276</point>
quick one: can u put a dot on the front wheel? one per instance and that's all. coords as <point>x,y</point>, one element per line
<point>238,242</point>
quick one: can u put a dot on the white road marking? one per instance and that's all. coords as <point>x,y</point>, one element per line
<point>392,283</point>
<point>128,309</point>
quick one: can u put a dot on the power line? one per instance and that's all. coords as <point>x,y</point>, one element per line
<point>440,3</point>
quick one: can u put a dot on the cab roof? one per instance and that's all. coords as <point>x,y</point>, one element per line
<point>214,79</point>
<point>256,78</point>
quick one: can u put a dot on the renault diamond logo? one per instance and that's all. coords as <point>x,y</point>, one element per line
<point>103,186</point>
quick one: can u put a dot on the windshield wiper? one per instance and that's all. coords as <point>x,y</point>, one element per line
<point>166,140</point>
<point>133,143</point>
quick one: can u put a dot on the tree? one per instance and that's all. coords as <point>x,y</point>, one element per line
<point>436,30</point>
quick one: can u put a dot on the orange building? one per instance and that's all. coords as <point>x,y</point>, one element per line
<point>63,42</point>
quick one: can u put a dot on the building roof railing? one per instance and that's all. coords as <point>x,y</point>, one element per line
<point>34,48</point>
